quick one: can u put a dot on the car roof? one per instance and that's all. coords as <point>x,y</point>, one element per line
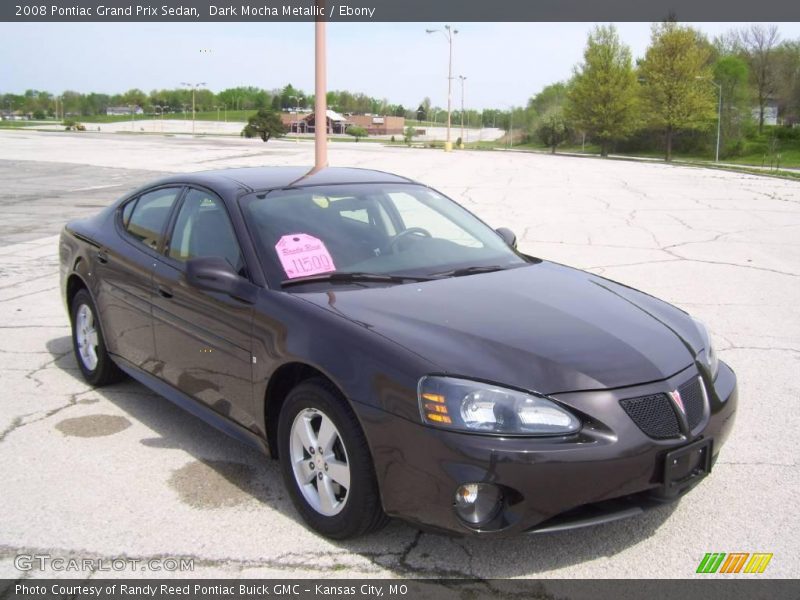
<point>264,178</point>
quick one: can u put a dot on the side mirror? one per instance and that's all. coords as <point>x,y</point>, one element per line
<point>215,274</point>
<point>509,237</point>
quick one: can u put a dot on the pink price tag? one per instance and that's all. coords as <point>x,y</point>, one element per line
<point>302,254</point>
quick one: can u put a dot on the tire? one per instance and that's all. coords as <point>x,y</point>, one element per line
<point>330,508</point>
<point>96,365</point>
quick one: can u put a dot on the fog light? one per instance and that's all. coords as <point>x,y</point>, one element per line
<point>477,503</point>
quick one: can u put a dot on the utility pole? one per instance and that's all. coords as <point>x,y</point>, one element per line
<point>463,79</point>
<point>450,34</point>
<point>297,118</point>
<point>193,87</point>
<point>719,111</point>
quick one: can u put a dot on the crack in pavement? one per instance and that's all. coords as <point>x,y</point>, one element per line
<point>20,421</point>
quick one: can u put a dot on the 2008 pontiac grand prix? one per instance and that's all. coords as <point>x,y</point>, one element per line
<point>396,355</point>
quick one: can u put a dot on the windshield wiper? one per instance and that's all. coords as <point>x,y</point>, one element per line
<point>353,277</point>
<point>469,271</point>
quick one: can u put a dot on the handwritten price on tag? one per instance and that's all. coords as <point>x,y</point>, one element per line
<point>302,254</point>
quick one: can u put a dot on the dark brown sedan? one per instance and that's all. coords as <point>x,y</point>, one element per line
<point>398,356</point>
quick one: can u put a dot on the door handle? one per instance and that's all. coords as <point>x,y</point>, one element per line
<point>164,292</point>
<point>102,257</point>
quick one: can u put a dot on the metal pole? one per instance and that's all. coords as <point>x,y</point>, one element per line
<point>297,118</point>
<point>719,118</point>
<point>448,146</point>
<point>320,98</point>
<point>463,79</point>
<point>511,128</point>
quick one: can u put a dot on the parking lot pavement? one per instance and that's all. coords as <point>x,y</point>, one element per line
<point>121,472</point>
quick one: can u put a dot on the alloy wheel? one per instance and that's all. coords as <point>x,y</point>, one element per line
<point>319,461</point>
<point>86,336</point>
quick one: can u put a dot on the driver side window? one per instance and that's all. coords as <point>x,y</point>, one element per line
<point>203,228</point>
<point>415,213</point>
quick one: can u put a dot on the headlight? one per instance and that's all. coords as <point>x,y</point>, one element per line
<point>708,356</point>
<point>465,405</point>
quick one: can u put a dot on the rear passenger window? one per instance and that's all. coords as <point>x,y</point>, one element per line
<point>148,216</point>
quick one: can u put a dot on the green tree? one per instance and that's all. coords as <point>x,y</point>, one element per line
<point>673,70</point>
<point>602,100</point>
<point>731,74</point>
<point>264,124</point>
<point>551,96</point>
<point>552,128</point>
<point>759,46</point>
<point>788,94</point>
<point>409,134</point>
<point>357,132</point>
<point>134,97</point>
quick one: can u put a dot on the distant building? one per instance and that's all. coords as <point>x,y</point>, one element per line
<point>338,124</point>
<point>376,125</point>
<point>770,113</point>
<point>13,115</point>
<point>118,111</point>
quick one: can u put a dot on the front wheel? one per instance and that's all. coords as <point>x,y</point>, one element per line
<point>326,463</point>
<point>87,341</point>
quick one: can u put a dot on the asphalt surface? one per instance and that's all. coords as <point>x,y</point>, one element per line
<point>120,472</point>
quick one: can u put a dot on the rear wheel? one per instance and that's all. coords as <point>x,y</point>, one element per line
<point>326,463</point>
<point>87,341</point>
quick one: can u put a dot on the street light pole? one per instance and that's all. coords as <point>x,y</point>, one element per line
<point>297,118</point>
<point>160,109</point>
<point>193,87</point>
<point>719,119</point>
<point>511,127</point>
<point>719,112</point>
<point>448,145</point>
<point>463,79</point>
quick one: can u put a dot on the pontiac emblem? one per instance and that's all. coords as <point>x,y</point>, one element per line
<point>676,398</point>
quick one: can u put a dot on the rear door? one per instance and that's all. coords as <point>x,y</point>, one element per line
<point>203,339</point>
<point>125,274</point>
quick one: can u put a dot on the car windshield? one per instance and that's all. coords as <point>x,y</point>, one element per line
<point>370,229</point>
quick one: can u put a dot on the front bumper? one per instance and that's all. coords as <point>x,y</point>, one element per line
<point>610,470</point>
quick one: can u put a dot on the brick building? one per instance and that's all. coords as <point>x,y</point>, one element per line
<point>338,124</point>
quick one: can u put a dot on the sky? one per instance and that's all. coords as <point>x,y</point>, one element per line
<point>505,63</point>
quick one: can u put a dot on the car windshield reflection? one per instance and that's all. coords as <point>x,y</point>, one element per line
<point>403,231</point>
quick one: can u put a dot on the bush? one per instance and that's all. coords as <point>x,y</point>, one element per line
<point>39,115</point>
<point>733,149</point>
<point>393,140</point>
<point>357,132</point>
<point>784,133</point>
<point>264,124</point>
<point>552,129</point>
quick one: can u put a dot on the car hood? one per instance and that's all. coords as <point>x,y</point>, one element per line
<point>542,327</point>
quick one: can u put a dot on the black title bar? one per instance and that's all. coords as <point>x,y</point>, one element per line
<point>710,588</point>
<point>397,10</point>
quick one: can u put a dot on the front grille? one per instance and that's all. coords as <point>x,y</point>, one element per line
<point>693,401</point>
<point>654,415</point>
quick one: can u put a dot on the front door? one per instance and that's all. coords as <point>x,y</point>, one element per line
<point>203,339</point>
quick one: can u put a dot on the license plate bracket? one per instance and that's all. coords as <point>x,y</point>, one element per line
<point>686,466</point>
